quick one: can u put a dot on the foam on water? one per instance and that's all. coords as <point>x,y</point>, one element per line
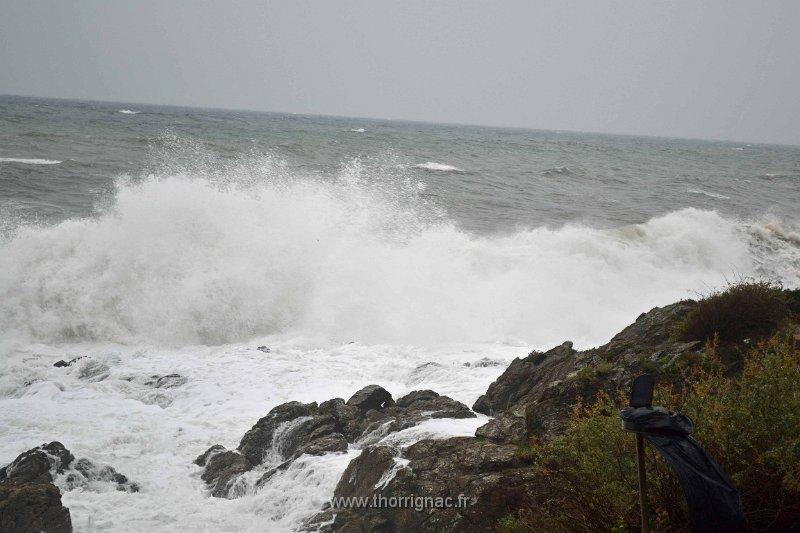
<point>709,194</point>
<point>29,161</point>
<point>197,259</point>
<point>129,112</point>
<point>441,167</point>
<point>349,281</point>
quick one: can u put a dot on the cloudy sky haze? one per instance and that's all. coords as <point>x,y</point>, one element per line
<point>713,69</point>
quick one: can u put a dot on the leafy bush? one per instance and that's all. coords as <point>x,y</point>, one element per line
<point>518,522</point>
<point>749,423</point>
<point>745,309</point>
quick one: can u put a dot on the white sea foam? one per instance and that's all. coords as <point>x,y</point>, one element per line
<point>709,194</point>
<point>187,260</point>
<point>358,130</point>
<point>188,272</point>
<point>29,161</point>
<point>129,112</point>
<point>441,167</point>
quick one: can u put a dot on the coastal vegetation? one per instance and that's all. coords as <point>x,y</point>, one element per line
<point>747,418</point>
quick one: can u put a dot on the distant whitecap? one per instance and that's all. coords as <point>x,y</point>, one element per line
<point>129,112</point>
<point>29,161</point>
<point>438,166</point>
<point>709,194</point>
<point>358,130</point>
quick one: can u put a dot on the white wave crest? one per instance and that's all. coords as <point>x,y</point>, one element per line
<point>441,167</point>
<point>129,112</point>
<point>709,194</point>
<point>358,130</point>
<point>29,161</point>
<point>184,259</point>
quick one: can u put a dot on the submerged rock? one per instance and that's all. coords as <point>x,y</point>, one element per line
<point>85,473</point>
<point>62,363</point>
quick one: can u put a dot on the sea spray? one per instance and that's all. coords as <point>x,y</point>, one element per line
<point>221,257</point>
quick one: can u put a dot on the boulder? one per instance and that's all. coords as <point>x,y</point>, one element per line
<point>293,429</point>
<point>371,397</point>
<point>32,507</point>
<point>471,485</point>
<point>37,464</point>
<point>222,468</point>
<point>259,440</point>
<point>364,472</point>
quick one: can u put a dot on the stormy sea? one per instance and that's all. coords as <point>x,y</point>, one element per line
<point>195,268</point>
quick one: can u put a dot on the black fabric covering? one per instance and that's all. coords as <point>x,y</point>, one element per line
<point>714,503</point>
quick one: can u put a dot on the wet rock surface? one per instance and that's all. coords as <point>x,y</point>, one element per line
<point>29,497</point>
<point>293,429</point>
<point>487,477</point>
<point>30,507</point>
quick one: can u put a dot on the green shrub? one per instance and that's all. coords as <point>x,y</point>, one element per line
<point>745,309</point>
<point>793,301</point>
<point>749,423</point>
<point>518,522</point>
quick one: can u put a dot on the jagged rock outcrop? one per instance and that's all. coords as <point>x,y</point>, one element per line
<point>458,484</point>
<point>32,507</point>
<point>37,464</point>
<point>29,499</point>
<point>534,394</point>
<point>29,502</point>
<point>293,429</point>
<point>533,397</point>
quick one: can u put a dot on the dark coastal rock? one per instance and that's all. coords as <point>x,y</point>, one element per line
<point>29,501</point>
<point>203,457</point>
<point>364,472</point>
<point>170,381</point>
<point>518,380</point>
<point>32,507</point>
<point>534,396</point>
<point>542,388</point>
<point>417,396</point>
<point>222,468</point>
<point>330,442</point>
<point>85,472</point>
<point>294,429</point>
<point>259,440</point>
<point>482,480</point>
<point>509,426</point>
<point>371,397</point>
<point>37,464</point>
<point>62,363</point>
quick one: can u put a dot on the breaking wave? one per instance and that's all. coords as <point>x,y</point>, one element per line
<point>29,161</point>
<point>211,257</point>
<point>438,167</point>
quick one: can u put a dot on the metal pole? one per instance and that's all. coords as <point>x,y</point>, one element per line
<point>642,483</point>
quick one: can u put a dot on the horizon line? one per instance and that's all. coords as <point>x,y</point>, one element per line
<point>418,121</point>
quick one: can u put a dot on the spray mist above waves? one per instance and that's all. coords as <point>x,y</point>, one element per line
<point>246,249</point>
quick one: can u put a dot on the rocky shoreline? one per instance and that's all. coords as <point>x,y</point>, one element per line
<point>486,474</point>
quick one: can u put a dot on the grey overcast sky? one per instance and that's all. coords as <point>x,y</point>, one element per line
<point>718,69</point>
